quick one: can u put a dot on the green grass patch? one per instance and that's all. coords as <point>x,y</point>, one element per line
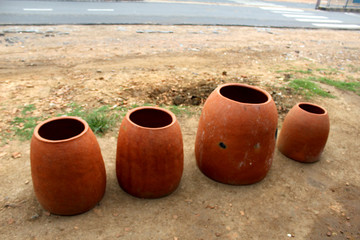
<point>348,86</point>
<point>100,120</point>
<point>180,110</point>
<point>308,71</point>
<point>5,137</point>
<point>23,125</point>
<point>177,110</point>
<point>308,88</point>
<point>307,85</point>
<point>327,71</point>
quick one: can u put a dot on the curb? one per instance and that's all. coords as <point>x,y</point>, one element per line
<point>357,10</point>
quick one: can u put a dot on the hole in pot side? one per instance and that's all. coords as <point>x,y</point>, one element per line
<point>312,109</point>
<point>151,118</point>
<point>61,129</point>
<point>243,94</point>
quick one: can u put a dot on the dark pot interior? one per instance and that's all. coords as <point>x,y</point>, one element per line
<point>311,108</point>
<point>151,118</point>
<point>61,129</point>
<point>243,94</point>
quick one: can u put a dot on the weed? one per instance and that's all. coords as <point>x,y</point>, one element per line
<point>23,125</point>
<point>28,108</point>
<point>348,86</point>
<point>5,137</point>
<point>100,120</point>
<point>75,110</point>
<point>308,71</point>
<point>148,104</point>
<point>327,71</point>
<point>134,106</point>
<point>323,71</point>
<point>179,110</point>
<point>308,88</point>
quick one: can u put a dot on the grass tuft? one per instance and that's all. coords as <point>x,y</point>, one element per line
<point>348,86</point>
<point>308,71</point>
<point>179,110</point>
<point>100,120</point>
<point>308,88</point>
<point>23,125</point>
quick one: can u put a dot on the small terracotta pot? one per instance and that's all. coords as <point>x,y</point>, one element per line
<point>67,168</point>
<point>304,132</point>
<point>235,140</point>
<point>149,158</point>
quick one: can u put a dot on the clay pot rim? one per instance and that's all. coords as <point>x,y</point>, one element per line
<point>37,135</point>
<point>172,115</point>
<point>269,98</point>
<point>314,105</point>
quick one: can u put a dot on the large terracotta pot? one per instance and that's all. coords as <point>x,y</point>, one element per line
<point>67,168</point>
<point>149,158</point>
<point>304,132</point>
<point>235,140</point>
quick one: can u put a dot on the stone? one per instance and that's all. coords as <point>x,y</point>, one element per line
<point>178,100</point>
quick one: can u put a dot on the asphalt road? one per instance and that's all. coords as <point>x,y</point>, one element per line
<point>175,12</point>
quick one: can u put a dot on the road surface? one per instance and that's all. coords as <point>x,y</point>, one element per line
<point>176,12</point>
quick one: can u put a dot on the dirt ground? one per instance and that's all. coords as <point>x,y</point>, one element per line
<point>52,66</point>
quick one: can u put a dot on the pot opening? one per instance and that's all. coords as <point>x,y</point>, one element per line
<point>61,129</point>
<point>311,108</point>
<point>151,118</point>
<point>243,94</point>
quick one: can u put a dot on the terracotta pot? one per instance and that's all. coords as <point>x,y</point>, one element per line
<point>67,168</point>
<point>149,159</point>
<point>235,140</point>
<point>304,132</point>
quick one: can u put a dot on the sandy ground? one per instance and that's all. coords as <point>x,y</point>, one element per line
<point>51,67</point>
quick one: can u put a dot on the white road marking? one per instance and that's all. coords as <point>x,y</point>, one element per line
<point>38,9</point>
<point>100,10</point>
<point>352,14</point>
<point>318,20</point>
<point>286,12</point>
<point>256,3</point>
<point>303,16</point>
<point>282,9</point>
<point>349,26</point>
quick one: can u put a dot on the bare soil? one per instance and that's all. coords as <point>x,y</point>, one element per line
<point>52,66</point>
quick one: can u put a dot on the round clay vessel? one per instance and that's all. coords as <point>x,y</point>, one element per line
<point>149,158</point>
<point>304,132</point>
<point>235,140</point>
<point>67,168</point>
